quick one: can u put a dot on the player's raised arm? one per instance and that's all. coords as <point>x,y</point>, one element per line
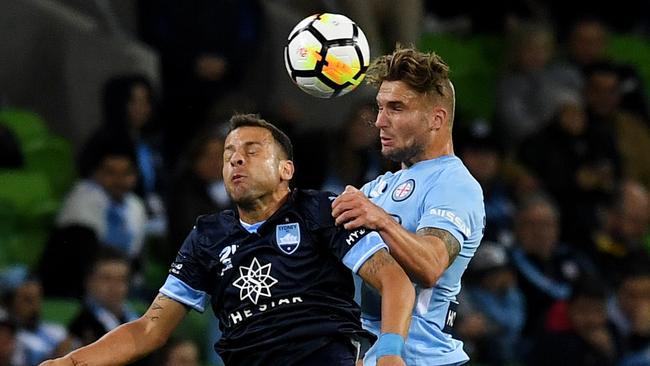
<point>383,272</point>
<point>129,341</point>
<point>424,255</point>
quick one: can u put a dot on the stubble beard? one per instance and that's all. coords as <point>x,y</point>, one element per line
<point>404,155</point>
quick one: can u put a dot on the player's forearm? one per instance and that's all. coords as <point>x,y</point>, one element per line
<point>397,301</point>
<point>122,345</point>
<point>424,258</point>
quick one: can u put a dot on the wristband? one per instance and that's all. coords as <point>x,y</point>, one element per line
<point>389,344</point>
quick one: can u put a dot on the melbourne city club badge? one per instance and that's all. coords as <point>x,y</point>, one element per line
<point>403,190</point>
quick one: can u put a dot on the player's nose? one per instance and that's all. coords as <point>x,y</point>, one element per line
<point>382,120</point>
<point>236,159</point>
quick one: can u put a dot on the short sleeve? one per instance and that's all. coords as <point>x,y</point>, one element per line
<point>188,279</point>
<point>450,209</point>
<point>354,247</point>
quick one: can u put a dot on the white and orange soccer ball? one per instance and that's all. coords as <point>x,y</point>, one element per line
<point>327,55</point>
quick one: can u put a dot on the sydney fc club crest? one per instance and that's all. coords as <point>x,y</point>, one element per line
<point>403,190</point>
<point>288,237</point>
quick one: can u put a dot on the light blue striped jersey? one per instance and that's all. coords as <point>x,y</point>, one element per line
<point>438,193</point>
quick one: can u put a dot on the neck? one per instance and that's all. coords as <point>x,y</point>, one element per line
<point>262,208</point>
<point>435,151</point>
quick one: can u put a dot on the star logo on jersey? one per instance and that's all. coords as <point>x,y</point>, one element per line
<point>254,281</point>
<point>403,190</point>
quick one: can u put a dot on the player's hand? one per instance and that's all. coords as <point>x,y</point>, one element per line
<point>390,361</point>
<point>353,210</point>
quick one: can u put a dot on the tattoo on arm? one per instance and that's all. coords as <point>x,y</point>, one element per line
<point>78,363</point>
<point>376,261</point>
<point>451,243</point>
<point>157,305</point>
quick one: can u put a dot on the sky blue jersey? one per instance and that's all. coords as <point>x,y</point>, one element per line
<point>438,193</point>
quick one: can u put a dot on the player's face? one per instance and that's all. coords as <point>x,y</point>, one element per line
<point>252,165</point>
<point>402,122</point>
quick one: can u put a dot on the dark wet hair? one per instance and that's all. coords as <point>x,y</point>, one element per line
<point>254,120</point>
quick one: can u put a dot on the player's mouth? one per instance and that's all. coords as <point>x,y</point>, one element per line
<point>237,178</point>
<point>386,141</point>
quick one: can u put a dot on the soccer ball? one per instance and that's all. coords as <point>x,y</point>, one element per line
<point>327,55</point>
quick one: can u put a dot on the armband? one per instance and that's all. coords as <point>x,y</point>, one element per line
<point>389,344</point>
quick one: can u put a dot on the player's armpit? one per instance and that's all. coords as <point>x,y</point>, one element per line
<point>451,243</point>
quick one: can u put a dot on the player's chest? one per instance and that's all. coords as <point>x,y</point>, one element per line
<point>401,197</point>
<point>275,248</point>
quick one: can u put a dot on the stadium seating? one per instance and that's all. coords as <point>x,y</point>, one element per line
<point>474,63</point>
<point>634,50</point>
<point>26,197</point>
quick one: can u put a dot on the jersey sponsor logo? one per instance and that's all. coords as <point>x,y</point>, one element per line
<point>176,268</point>
<point>403,190</point>
<point>355,236</point>
<point>225,257</point>
<point>460,224</point>
<point>237,316</point>
<point>287,236</point>
<point>254,281</point>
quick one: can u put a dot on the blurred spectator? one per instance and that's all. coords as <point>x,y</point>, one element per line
<point>483,155</point>
<point>11,156</point>
<point>129,115</point>
<point>36,340</point>
<point>7,340</point>
<point>619,239</point>
<point>197,188</point>
<point>546,268</point>
<point>587,45</point>
<point>603,93</point>
<point>72,245</point>
<point>492,308</point>
<point>101,210</point>
<point>105,201</point>
<point>588,340</point>
<point>496,17</point>
<point>526,92</point>
<point>629,308</point>
<point>106,290</point>
<point>573,162</point>
<point>386,22</point>
<point>205,52</point>
<point>104,306</point>
<point>356,158</point>
<point>179,352</point>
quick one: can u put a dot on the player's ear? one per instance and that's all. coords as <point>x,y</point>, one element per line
<point>438,118</point>
<point>286,169</point>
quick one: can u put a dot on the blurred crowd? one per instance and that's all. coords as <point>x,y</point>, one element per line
<point>563,274</point>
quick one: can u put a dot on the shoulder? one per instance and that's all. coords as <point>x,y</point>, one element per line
<point>86,190</point>
<point>455,180</point>
<point>314,206</point>
<point>221,222</point>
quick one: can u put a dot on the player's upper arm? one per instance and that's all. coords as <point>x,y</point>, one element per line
<point>451,246</point>
<point>162,318</point>
<point>381,266</point>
